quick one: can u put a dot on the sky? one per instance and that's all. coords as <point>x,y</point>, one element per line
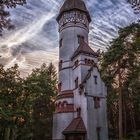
<point>35,38</point>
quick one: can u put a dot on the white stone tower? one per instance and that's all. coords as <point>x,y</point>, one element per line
<point>81,102</point>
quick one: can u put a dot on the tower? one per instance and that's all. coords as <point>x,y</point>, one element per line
<point>81,101</point>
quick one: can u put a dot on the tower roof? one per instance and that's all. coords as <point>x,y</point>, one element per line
<point>83,48</point>
<point>74,4</point>
<point>76,126</point>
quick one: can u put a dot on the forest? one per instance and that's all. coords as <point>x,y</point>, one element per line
<point>120,69</point>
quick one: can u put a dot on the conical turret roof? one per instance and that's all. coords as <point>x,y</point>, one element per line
<point>73,4</point>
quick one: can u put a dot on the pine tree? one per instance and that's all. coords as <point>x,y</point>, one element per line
<point>118,64</point>
<point>42,85</point>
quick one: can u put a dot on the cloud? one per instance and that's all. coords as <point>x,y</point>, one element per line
<point>35,38</point>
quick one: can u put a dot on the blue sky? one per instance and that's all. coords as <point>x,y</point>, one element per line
<point>35,37</point>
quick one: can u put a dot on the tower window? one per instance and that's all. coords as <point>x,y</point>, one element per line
<point>60,43</point>
<point>95,80</point>
<point>60,64</point>
<point>76,83</point>
<point>98,129</point>
<point>78,112</point>
<point>86,61</point>
<point>80,38</point>
<point>59,87</point>
<point>89,61</point>
<point>92,61</point>
<point>96,102</point>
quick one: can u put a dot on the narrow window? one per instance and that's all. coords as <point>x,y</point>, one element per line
<point>98,133</point>
<point>80,38</point>
<point>59,87</point>
<point>95,80</point>
<point>86,61</point>
<point>76,83</point>
<point>60,64</point>
<point>78,112</point>
<point>92,62</point>
<point>76,63</point>
<point>89,61</point>
<point>60,43</point>
<point>96,102</point>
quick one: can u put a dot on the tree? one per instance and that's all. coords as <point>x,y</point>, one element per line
<point>12,97</point>
<point>42,85</point>
<point>4,20</point>
<point>118,64</point>
<point>26,105</point>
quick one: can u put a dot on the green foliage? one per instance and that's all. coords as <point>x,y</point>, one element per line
<point>5,22</point>
<point>26,105</point>
<point>42,85</point>
<point>123,57</point>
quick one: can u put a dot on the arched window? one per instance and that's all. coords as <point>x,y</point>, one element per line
<point>89,61</point>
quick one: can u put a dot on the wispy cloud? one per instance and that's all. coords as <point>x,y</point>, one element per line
<point>35,39</point>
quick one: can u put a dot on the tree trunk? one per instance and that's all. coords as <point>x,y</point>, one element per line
<point>125,117</point>
<point>133,119</point>
<point>7,134</point>
<point>12,136</point>
<point>120,107</point>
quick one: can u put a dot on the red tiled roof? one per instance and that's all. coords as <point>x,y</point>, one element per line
<point>76,126</point>
<point>65,95</point>
<point>73,4</point>
<point>83,48</point>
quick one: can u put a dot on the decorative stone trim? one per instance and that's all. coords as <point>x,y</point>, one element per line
<point>65,94</point>
<point>66,68</point>
<point>94,65</point>
<point>64,107</point>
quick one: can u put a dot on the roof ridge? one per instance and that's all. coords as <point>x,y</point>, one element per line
<point>74,126</point>
<point>83,48</point>
<point>80,121</point>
